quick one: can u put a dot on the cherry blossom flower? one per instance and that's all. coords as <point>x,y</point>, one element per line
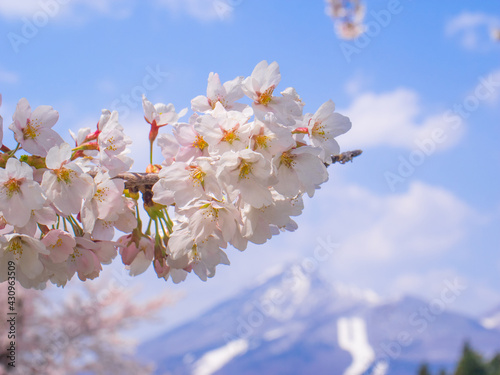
<point>60,245</point>
<point>181,182</point>
<point>192,143</point>
<point>206,217</point>
<point>324,126</point>
<point>260,87</point>
<point>261,84</point>
<point>224,130</point>
<point>248,174</point>
<point>24,251</point>
<point>113,143</point>
<point>124,220</point>
<point>204,258</point>
<point>104,201</point>
<point>348,16</point>
<point>19,194</point>
<point>269,138</point>
<point>169,148</point>
<point>299,170</point>
<point>65,184</point>
<point>33,129</point>
<point>43,216</point>
<point>226,95</point>
<point>88,255</point>
<point>200,256</point>
<point>137,259</point>
<point>159,115</point>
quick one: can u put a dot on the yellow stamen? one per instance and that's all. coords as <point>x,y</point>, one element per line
<point>287,159</point>
<point>32,129</point>
<point>245,170</point>
<point>261,141</point>
<point>200,143</point>
<point>229,136</point>
<point>318,130</point>
<point>12,186</point>
<point>64,174</point>
<point>101,194</point>
<point>266,96</point>
<point>198,176</point>
<point>16,248</point>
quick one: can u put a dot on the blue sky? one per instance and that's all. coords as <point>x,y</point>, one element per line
<point>406,79</point>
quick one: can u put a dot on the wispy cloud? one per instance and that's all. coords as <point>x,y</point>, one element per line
<point>392,118</point>
<point>422,222</point>
<point>7,76</point>
<point>473,29</point>
<point>206,10</point>
<point>80,10</point>
<point>19,8</point>
<point>76,9</point>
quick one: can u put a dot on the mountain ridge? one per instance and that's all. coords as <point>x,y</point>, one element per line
<point>293,322</point>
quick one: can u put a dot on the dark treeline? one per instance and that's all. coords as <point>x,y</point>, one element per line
<point>471,363</point>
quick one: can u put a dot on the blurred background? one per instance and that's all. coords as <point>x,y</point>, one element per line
<point>396,261</point>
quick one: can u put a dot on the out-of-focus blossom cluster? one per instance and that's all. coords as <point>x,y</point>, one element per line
<point>495,34</point>
<point>81,335</point>
<point>234,173</point>
<point>348,16</point>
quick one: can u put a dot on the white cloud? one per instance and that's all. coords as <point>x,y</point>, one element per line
<point>393,118</point>
<point>423,222</point>
<point>76,9</point>
<point>12,9</point>
<point>201,9</point>
<point>472,29</point>
<point>393,244</point>
<point>7,76</point>
<point>476,298</point>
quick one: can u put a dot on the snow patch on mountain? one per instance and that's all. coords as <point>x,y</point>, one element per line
<point>216,359</point>
<point>491,322</point>
<point>353,337</point>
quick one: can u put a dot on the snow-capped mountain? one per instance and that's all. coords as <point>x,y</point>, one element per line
<point>295,323</point>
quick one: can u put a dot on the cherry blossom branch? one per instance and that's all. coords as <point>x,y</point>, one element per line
<point>346,156</point>
<point>136,179</point>
<point>234,174</point>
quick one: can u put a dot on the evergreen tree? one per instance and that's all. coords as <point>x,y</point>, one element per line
<point>442,372</point>
<point>494,366</point>
<point>423,369</point>
<point>471,363</point>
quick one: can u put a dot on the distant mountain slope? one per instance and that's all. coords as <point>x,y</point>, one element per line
<point>289,324</point>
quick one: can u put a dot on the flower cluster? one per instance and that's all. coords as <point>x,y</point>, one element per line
<point>59,205</point>
<point>348,16</point>
<point>235,172</point>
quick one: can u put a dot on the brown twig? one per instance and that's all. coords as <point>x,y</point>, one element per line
<point>346,156</point>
